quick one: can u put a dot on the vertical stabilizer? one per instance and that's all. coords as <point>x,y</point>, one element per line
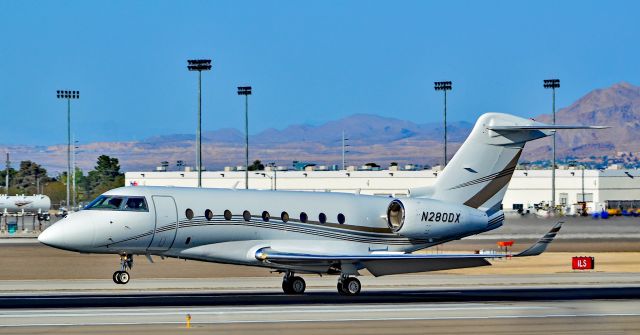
<point>480,171</point>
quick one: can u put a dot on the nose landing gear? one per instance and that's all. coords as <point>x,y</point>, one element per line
<point>122,276</point>
<point>292,284</point>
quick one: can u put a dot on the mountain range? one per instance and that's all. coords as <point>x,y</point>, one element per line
<point>371,138</point>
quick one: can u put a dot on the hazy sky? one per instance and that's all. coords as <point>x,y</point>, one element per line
<point>309,62</point>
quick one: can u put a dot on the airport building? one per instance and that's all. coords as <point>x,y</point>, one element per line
<point>528,190</point>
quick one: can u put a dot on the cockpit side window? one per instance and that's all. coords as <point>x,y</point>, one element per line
<point>115,203</point>
<point>135,204</point>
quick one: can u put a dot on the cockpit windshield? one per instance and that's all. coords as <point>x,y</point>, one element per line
<point>119,203</point>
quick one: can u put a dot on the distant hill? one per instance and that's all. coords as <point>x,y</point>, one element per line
<point>617,106</point>
<point>372,138</point>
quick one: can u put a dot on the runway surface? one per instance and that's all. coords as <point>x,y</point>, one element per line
<point>347,317</point>
<point>159,299</point>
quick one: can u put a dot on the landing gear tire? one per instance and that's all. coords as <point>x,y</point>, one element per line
<point>297,285</point>
<point>293,285</point>
<point>123,277</point>
<point>349,286</point>
<point>340,290</point>
<point>116,276</point>
<point>286,287</point>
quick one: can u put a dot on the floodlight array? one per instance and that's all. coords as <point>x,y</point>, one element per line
<point>61,94</point>
<point>442,85</point>
<point>244,90</point>
<point>551,83</point>
<point>199,64</point>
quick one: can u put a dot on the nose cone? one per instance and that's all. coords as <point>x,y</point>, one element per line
<point>53,236</point>
<point>71,233</point>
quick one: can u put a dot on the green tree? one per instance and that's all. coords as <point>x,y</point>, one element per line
<point>56,191</point>
<point>27,177</point>
<point>105,176</point>
<point>12,175</point>
<point>256,166</point>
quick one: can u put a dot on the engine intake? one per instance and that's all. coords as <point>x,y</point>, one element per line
<point>395,215</point>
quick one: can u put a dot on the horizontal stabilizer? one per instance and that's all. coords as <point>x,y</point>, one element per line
<point>542,243</point>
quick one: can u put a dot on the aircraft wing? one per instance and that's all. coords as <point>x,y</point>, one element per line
<point>386,263</point>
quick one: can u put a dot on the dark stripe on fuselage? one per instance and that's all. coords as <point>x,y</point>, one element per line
<point>329,231</point>
<point>495,185</point>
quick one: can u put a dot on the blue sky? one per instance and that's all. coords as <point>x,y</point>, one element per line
<point>309,62</point>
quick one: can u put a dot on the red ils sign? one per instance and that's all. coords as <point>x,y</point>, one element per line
<point>582,263</point>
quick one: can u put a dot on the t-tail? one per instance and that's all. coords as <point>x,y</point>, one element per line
<point>479,173</point>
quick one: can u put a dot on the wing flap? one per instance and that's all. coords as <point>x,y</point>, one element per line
<point>390,267</point>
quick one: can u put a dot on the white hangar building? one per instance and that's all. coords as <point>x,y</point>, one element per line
<point>527,190</point>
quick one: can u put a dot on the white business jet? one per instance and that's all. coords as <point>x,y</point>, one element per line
<point>315,233</point>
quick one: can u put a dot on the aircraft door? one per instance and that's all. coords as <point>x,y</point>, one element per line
<point>166,223</point>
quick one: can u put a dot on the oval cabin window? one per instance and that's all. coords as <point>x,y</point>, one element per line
<point>246,215</point>
<point>284,216</point>
<point>322,218</point>
<point>188,213</point>
<point>227,214</point>
<point>303,217</point>
<point>208,214</point>
<point>341,218</point>
<point>265,216</point>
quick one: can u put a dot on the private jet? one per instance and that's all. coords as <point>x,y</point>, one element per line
<point>315,233</point>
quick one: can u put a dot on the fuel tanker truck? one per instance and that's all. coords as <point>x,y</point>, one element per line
<point>38,204</point>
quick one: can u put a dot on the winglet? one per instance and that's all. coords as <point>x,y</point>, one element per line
<point>542,243</point>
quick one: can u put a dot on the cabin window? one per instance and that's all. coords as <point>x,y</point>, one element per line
<point>303,217</point>
<point>208,214</point>
<point>341,218</point>
<point>265,216</point>
<point>227,214</point>
<point>188,213</point>
<point>322,218</point>
<point>284,216</point>
<point>246,215</point>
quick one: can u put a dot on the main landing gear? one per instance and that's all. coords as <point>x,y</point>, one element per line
<point>292,284</point>
<point>122,276</point>
<point>348,285</point>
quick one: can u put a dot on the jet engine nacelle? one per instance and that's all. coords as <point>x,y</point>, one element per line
<point>434,220</point>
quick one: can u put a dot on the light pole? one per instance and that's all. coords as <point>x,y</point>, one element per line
<point>344,145</point>
<point>199,65</point>
<point>68,95</point>
<point>275,175</point>
<point>75,189</point>
<point>444,86</point>
<point>553,84</point>
<point>246,91</point>
<point>6,176</point>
